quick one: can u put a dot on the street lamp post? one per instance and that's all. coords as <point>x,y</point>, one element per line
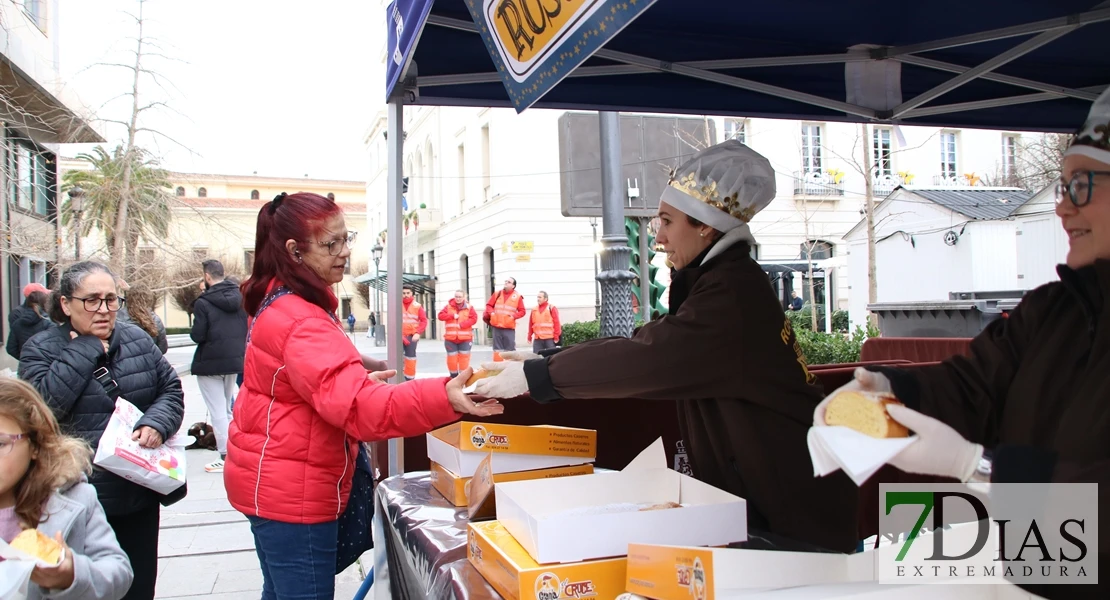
<point>597,284</point>
<point>77,207</point>
<point>376,252</point>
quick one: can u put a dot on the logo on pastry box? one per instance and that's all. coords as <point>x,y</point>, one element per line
<point>1025,533</point>
<point>480,436</point>
<point>549,587</point>
<point>691,575</point>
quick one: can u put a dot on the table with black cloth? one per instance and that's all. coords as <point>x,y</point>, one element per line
<point>420,543</point>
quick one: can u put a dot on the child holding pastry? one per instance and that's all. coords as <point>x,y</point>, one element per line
<point>48,508</point>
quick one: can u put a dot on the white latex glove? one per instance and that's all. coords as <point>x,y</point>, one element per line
<point>862,381</point>
<point>509,382</point>
<point>518,355</point>
<point>939,449</point>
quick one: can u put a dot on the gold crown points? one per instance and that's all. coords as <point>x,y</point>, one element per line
<point>1098,136</point>
<point>709,194</point>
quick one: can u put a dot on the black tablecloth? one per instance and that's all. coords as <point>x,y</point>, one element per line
<point>420,543</point>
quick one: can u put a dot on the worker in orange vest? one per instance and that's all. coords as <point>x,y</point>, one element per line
<point>544,325</point>
<point>460,319</point>
<point>414,324</point>
<point>502,311</point>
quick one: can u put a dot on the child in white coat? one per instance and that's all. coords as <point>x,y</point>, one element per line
<point>43,485</point>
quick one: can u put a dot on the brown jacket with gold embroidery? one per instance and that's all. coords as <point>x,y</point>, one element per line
<point>726,355</point>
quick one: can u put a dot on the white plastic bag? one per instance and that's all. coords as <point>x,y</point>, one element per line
<point>161,469</point>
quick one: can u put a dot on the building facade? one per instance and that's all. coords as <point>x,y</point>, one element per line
<point>215,216</point>
<point>38,114</point>
<point>483,185</point>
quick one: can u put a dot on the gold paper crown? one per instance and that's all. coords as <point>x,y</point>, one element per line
<point>708,194</point>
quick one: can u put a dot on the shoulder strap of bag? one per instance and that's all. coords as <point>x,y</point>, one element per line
<point>274,295</point>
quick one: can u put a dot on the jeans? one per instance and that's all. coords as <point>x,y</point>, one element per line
<point>298,561</point>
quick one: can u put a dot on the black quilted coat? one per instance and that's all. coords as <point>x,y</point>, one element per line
<point>61,369</point>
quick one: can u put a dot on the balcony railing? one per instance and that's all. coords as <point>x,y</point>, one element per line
<point>817,184</point>
<point>950,181</point>
<point>883,185</point>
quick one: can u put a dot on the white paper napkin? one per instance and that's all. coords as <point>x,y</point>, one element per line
<point>857,454</point>
<point>15,571</point>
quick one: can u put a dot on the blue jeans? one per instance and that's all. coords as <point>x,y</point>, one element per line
<point>298,561</point>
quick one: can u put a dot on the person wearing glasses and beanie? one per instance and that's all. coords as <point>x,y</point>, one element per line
<point>725,354</point>
<point>80,368</point>
<point>1031,401</point>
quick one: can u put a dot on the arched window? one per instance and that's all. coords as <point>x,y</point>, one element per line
<point>180,191</point>
<point>202,192</point>
<point>254,194</point>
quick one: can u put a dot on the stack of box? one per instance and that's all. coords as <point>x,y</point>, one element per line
<point>520,453</point>
<point>569,538</point>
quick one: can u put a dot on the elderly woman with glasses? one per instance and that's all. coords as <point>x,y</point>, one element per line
<point>80,368</point>
<point>1031,403</point>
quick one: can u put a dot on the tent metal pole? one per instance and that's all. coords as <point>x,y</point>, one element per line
<point>1086,18</point>
<point>394,271</point>
<point>979,105</point>
<point>616,276</point>
<point>737,82</point>
<point>611,70</point>
<point>1012,54</point>
<point>998,77</point>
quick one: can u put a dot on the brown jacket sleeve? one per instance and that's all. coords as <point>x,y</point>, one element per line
<point>699,352</point>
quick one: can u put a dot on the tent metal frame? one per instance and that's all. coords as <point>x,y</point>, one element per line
<point>1044,32</point>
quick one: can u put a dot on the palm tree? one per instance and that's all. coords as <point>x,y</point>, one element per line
<point>148,204</point>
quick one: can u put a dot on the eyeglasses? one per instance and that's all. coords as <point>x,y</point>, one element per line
<point>113,303</point>
<point>1079,188</point>
<point>336,246</point>
<point>8,440</point>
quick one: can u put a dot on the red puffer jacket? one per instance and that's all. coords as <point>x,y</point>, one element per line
<point>304,405</point>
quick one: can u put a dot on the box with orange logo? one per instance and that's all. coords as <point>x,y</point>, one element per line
<point>512,572</point>
<point>459,447</point>
<point>455,487</point>
<point>689,573</point>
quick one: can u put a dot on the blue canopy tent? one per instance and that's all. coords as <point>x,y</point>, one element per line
<point>1013,64</point>
<point>1007,64</point>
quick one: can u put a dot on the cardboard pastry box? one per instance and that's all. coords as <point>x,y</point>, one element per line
<point>459,447</point>
<point>597,516</point>
<point>455,487</point>
<point>509,569</point>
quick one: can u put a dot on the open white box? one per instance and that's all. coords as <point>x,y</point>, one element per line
<point>534,512</point>
<point>464,462</point>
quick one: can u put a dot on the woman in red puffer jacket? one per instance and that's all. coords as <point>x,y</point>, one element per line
<point>307,399</point>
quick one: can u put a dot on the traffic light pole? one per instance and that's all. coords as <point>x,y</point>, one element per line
<point>645,273</point>
<point>615,277</point>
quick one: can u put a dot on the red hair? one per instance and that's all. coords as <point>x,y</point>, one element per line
<point>289,217</point>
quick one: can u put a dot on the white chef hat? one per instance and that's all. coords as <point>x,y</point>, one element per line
<point>723,186</point>
<point>1093,140</point>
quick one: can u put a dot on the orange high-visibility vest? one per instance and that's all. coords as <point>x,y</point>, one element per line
<point>543,326</point>
<point>454,332</point>
<point>412,319</point>
<point>504,311</point>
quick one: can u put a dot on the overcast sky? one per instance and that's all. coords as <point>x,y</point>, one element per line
<point>278,87</point>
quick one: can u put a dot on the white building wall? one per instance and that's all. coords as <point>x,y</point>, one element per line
<point>994,255</point>
<point>922,269</point>
<point>1041,241</point>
